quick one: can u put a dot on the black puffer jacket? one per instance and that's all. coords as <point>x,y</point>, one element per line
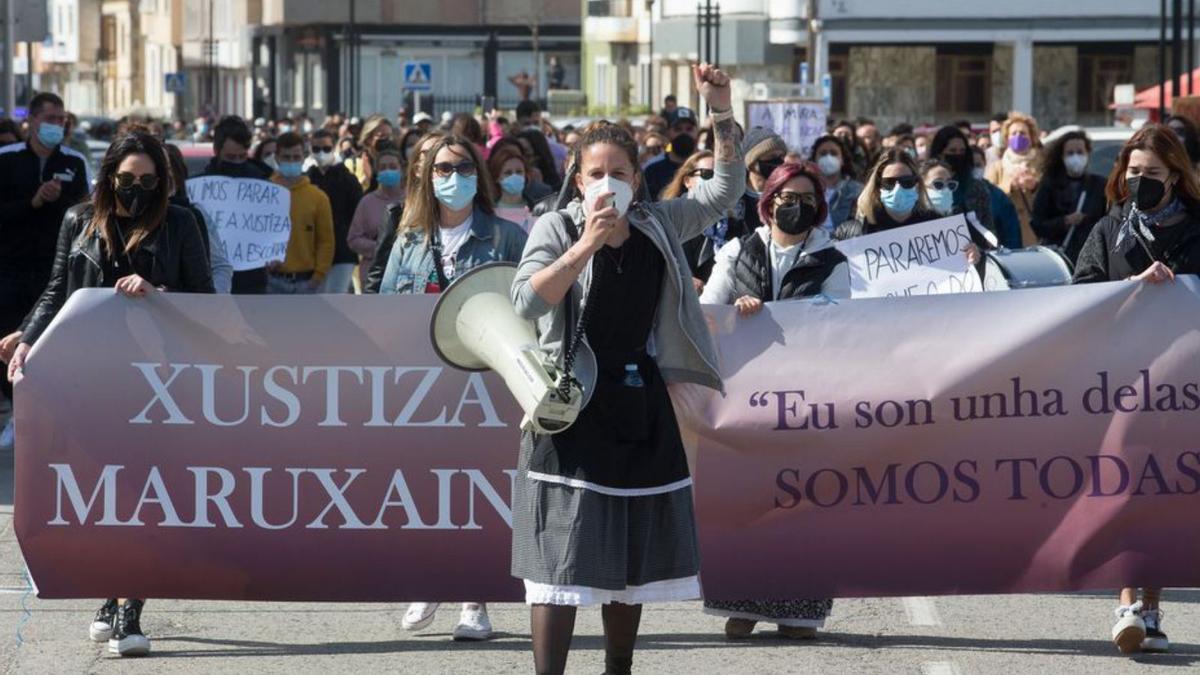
<point>1176,245</point>
<point>176,249</point>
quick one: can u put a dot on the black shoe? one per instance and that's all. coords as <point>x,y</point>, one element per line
<point>128,639</point>
<point>1156,640</point>
<point>105,621</point>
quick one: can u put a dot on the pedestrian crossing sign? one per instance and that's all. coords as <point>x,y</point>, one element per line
<point>418,75</point>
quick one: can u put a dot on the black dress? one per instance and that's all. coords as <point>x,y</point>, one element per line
<point>602,512</point>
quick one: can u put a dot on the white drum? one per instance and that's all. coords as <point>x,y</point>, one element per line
<point>1033,267</point>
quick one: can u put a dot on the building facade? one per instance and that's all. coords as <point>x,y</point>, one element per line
<point>921,61</point>
<point>316,57</point>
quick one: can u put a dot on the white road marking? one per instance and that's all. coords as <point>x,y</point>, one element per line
<point>921,611</point>
<point>940,668</point>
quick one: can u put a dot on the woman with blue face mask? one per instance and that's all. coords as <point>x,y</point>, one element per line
<point>940,186</point>
<point>371,222</point>
<point>511,175</point>
<point>449,227</point>
<point>893,197</point>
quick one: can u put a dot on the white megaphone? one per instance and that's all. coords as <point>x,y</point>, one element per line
<point>475,327</point>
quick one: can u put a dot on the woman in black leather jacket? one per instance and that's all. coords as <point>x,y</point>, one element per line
<point>129,238</point>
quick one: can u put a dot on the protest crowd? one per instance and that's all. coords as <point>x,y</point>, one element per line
<point>406,204</point>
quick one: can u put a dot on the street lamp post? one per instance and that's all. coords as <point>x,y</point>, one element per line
<point>650,58</point>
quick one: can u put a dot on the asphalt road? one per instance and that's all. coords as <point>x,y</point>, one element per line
<point>1059,634</point>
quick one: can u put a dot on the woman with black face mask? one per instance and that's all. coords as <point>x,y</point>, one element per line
<point>1151,234</point>
<point>130,238</point>
<point>790,256</point>
<point>950,145</point>
<point>1152,231</point>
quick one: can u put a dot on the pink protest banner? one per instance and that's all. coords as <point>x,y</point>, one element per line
<point>260,447</point>
<point>314,448</point>
<point>1038,440</point>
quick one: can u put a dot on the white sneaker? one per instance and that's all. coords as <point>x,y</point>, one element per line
<point>8,436</point>
<point>1156,640</point>
<point>1130,629</point>
<point>419,616</point>
<point>473,623</point>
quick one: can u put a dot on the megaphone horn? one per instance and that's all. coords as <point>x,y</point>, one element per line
<point>475,327</point>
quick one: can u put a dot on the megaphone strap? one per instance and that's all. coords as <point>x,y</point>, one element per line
<point>575,331</point>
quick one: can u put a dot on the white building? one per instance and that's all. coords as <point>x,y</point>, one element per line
<point>916,61</point>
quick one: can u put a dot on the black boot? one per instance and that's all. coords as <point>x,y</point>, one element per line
<point>128,639</point>
<point>105,621</point>
<point>618,665</point>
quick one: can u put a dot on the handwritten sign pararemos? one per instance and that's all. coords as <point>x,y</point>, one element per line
<point>252,216</point>
<point>924,259</point>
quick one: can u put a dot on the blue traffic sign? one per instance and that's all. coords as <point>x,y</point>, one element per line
<point>175,83</point>
<point>418,75</point>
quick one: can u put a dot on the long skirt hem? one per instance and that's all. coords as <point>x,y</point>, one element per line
<point>669,590</point>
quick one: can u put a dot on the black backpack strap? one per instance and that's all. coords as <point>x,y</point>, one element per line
<point>435,249</point>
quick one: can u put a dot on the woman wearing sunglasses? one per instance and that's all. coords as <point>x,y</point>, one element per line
<point>449,227</point>
<point>701,251</point>
<point>940,186</point>
<point>893,197</point>
<point>789,257</point>
<point>128,237</point>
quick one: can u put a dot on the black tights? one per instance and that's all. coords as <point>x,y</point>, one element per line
<point>554,625</point>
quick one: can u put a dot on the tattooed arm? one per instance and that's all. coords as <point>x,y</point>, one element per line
<point>713,85</point>
<point>712,199</point>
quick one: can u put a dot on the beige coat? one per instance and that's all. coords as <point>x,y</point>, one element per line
<point>1003,174</point>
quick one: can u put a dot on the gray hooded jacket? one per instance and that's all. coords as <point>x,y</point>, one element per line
<point>680,341</point>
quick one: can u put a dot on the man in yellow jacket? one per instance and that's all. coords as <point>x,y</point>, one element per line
<point>310,248</point>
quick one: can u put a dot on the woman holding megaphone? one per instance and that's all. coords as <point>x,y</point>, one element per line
<point>449,227</point>
<point>602,512</point>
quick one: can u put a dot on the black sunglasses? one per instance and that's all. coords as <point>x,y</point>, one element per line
<point>126,180</point>
<point>939,184</point>
<point>765,167</point>
<point>444,169</point>
<point>322,148</point>
<point>906,182</point>
<point>704,174</point>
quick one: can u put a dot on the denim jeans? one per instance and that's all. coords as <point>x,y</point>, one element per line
<point>339,278</point>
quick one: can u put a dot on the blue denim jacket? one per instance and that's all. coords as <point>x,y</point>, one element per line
<point>410,267</point>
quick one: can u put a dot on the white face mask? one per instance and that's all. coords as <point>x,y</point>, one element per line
<point>324,159</point>
<point>622,194</point>
<point>830,165</point>
<point>977,173</point>
<point>1075,162</point>
<point>997,139</point>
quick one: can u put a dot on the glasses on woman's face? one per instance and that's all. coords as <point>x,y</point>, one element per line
<point>444,169</point>
<point>704,174</point>
<point>906,182</point>
<point>126,180</point>
<point>940,184</point>
<point>790,198</point>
